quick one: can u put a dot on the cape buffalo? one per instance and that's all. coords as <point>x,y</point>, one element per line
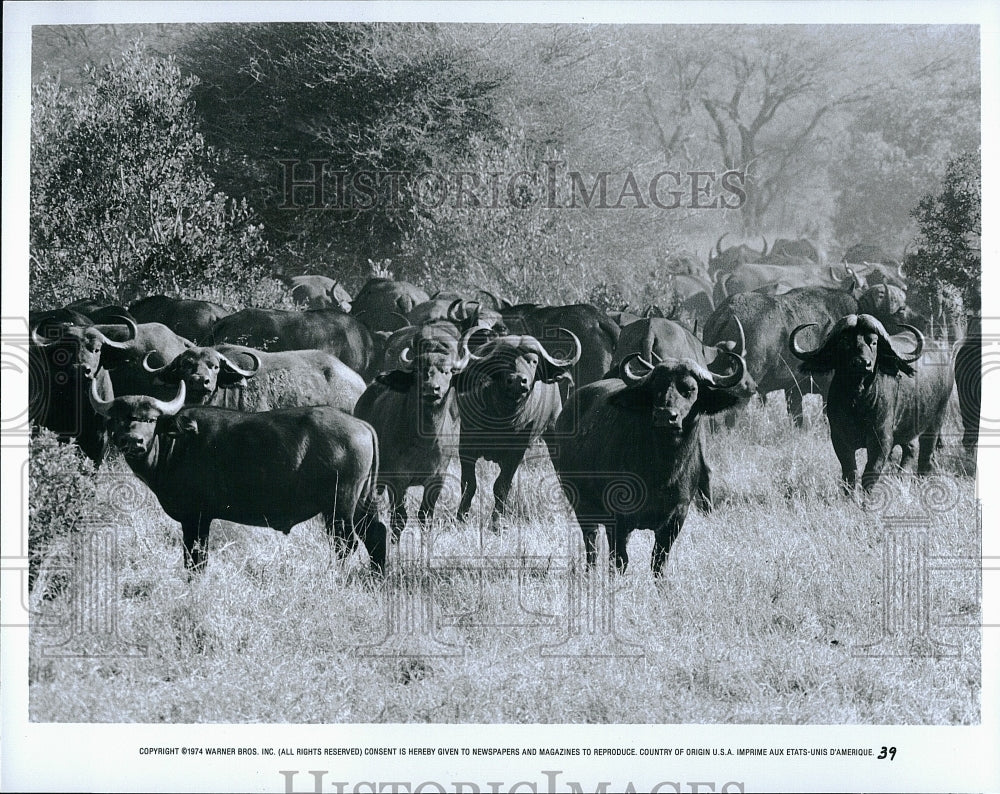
<point>877,398</point>
<point>768,320</point>
<point>512,401</point>
<point>801,248</point>
<point>656,339</point>
<point>596,332</point>
<point>413,408</point>
<point>319,292</point>
<point>64,361</point>
<point>630,451</point>
<point>754,276</point>
<point>275,330</point>
<point>192,319</point>
<point>888,305</point>
<point>272,469</point>
<point>732,257</point>
<point>244,379</point>
<point>383,304</point>
<point>968,379</point>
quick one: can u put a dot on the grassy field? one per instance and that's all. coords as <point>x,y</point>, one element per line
<point>771,611</point>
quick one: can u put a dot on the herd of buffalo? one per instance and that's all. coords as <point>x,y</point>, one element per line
<point>269,417</point>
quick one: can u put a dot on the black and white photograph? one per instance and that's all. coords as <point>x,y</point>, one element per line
<point>499,397</point>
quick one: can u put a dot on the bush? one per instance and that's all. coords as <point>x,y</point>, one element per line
<point>121,200</point>
<point>61,490</point>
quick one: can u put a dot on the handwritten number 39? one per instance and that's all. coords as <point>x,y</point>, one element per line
<point>889,752</point>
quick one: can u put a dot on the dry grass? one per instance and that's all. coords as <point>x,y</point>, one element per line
<point>763,616</point>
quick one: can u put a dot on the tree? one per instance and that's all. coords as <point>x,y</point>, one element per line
<point>121,203</point>
<point>946,270</point>
<point>373,106</point>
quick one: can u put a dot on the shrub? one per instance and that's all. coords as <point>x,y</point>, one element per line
<point>61,490</point>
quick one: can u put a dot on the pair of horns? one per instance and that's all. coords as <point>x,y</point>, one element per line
<point>633,376</point>
<point>846,322</point>
<point>102,406</point>
<point>246,373</point>
<point>527,342</point>
<point>128,322</point>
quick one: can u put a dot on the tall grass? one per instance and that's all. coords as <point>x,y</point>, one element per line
<point>764,614</point>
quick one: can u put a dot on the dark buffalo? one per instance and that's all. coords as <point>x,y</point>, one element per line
<point>251,380</point>
<point>877,398</point>
<point>768,321</point>
<point>968,379</point>
<point>413,408</point>
<point>273,469</point>
<point>890,274</point>
<point>192,319</point>
<point>125,363</point>
<point>64,363</point>
<point>630,450</point>
<point>512,400</point>
<point>319,292</point>
<point>656,339</point>
<point>755,275</point>
<point>463,312</point>
<point>733,257</point>
<point>275,330</point>
<point>800,248</point>
<point>596,332</point>
<point>383,304</point>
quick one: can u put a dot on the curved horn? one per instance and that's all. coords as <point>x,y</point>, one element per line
<point>733,378</point>
<point>718,245</point>
<point>148,368</point>
<point>452,311</point>
<point>100,405</point>
<point>405,358</point>
<point>741,342</point>
<point>246,373</point>
<point>128,322</point>
<point>40,340</point>
<point>628,375</point>
<point>567,362</point>
<point>793,345</point>
<point>764,252</point>
<point>920,344</point>
<point>492,297</point>
<point>172,407</point>
<point>465,355</point>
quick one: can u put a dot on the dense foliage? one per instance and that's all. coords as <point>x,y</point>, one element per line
<point>122,202</point>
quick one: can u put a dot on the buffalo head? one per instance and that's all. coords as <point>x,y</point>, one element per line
<point>515,363</point>
<point>132,420</point>
<point>430,358</point>
<point>82,347</point>
<point>202,370</point>
<point>672,388</point>
<point>857,345</point>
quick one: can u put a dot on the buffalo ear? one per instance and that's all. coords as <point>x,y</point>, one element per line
<point>396,379</point>
<point>112,357</point>
<point>229,379</point>
<point>633,398</point>
<point>550,374</point>
<point>175,426</point>
<point>712,400</point>
<point>888,361</point>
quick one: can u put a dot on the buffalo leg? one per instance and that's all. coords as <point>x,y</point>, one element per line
<point>878,456</point>
<point>396,492</point>
<point>373,534</point>
<point>618,544</point>
<point>468,487</point>
<point>793,402</point>
<point>337,533</point>
<point>928,444</point>
<point>501,488</point>
<point>845,452</point>
<point>196,542</point>
<point>704,496</point>
<point>909,452</point>
<point>432,491</point>
<point>664,536</point>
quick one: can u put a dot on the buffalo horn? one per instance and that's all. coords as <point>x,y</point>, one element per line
<point>246,373</point>
<point>42,341</point>
<point>406,358</point>
<point>718,245</point>
<point>794,345</point>
<point>628,375</point>
<point>742,341</point>
<point>492,297</point>
<point>145,362</point>
<point>733,378</point>
<point>99,404</point>
<point>463,349</point>
<point>567,362</point>
<point>172,407</point>
<point>128,322</point>
<point>452,312</point>
<point>764,252</point>
<point>920,343</point>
